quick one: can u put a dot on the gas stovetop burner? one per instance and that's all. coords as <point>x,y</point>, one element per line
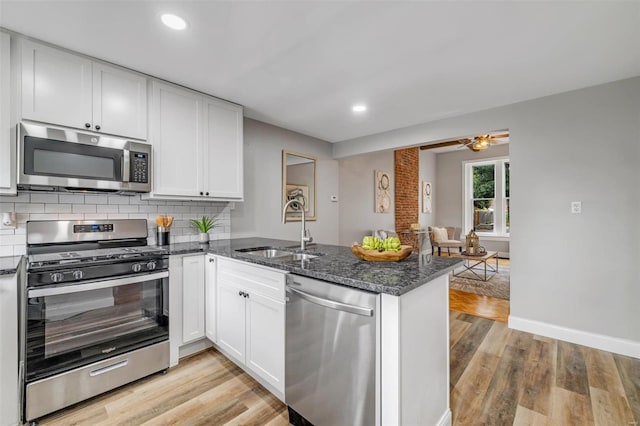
<point>91,256</point>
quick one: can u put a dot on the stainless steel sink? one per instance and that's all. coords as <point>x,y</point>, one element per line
<point>277,254</point>
<point>269,253</point>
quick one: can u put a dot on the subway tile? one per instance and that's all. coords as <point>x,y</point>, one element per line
<point>71,216</point>
<point>128,208</point>
<point>44,198</point>
<point>29,208</point>
<point>71,199</point>
<point>22,197</point>
<point>84,208</point>
<point>138,216</point>
<point>7,232</point>
<point>137,200</point>
<point>118,199</point>
<point>5,250</point>
<point>117,216</point>
<point>94,216</point>
<point>43,216</point>
<point>148,209</point>
<point>7,207</point>
<point>57,208</point>
<point>157,202</point>
<point>107,208</point>
<point>20,250</point>
<point>96,199</point>
<point>13,240</point>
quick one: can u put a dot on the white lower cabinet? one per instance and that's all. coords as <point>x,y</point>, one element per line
<point>192,298</point>
<point>8,350</point>
<point>251,319</point>
<point>237,306</point>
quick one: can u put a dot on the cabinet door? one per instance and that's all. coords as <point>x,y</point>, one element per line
<point>56,86</point>
<point>231,320</point>
<point>192,298</point>
<point>119,102</point>
<point>210,294</point>
<point>176,136</point>
<point>7,166</point>
<point>8,350</point>
<point>223,149</point>
<point>265,339</point>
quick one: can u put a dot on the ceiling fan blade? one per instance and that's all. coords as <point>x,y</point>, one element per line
<point>500,136</point>
<point>440,145</point>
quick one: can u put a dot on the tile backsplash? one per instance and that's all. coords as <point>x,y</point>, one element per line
<point>51,206</point>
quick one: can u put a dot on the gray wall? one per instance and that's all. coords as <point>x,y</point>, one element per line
<point>576,271</point>
<point>261,214</point>
<point>357,216</point>
<point>449,190</point>
<point>428,167</point>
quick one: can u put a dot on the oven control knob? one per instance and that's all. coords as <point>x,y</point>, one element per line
<point>136,267</point>
<point>56,277</point>
<point>151,265</point>
<point>78,275</point>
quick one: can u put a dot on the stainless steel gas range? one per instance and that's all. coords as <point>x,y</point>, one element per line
<point>94,311</point>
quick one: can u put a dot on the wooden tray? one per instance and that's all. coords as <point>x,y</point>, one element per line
<point>384,256</point>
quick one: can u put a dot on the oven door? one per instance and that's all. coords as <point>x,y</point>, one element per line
<point>68,326</point>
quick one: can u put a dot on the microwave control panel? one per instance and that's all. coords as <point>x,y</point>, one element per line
<point>139,167</point>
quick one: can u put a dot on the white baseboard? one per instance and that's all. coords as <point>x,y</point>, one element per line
<point>599,341</point>
<point>445,420</point>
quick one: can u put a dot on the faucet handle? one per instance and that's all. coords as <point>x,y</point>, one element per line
<point>307,236</point>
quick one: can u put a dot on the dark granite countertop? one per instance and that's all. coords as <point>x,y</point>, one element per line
<point>335,264</point>
<point>9,264</point>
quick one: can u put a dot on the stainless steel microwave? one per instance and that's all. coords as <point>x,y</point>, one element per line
<point>55,158</point>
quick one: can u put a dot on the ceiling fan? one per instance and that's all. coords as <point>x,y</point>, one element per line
<point>475,144</point>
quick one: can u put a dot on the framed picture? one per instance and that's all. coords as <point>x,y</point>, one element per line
<point>382,183</point>
<point>426,197</point>
<point>299,193</point>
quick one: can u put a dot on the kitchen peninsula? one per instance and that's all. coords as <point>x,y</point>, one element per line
<point>411,317</point>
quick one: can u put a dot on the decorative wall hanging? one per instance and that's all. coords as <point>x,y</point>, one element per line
<point>382,192</point>
<point>426,197</point>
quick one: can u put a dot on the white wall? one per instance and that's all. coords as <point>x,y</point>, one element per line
<point>576,271</point>
<point>261,213</point>
<point>428,167</point>
<point>449,190</point>
<point>357,216</point>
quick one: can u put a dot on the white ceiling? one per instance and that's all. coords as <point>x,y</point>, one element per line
<point>302,65</point>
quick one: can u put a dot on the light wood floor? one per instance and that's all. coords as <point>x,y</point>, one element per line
<point>503,377</point>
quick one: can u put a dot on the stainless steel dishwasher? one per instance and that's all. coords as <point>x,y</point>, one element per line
<point>330,353</point>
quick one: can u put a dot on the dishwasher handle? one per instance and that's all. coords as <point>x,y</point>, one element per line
<point>332,304</point>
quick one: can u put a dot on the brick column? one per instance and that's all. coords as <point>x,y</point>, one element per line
<point>407,181</point>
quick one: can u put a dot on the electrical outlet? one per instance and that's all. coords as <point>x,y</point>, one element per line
<point>576,207</point>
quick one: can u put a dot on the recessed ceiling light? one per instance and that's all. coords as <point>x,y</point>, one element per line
<point>173,21</point>
<point>359,108</point>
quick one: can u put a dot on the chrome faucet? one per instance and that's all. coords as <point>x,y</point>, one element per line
<point>305,235</point>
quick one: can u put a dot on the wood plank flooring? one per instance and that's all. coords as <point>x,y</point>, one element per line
<point>503,377</point>
<point>498,377</point>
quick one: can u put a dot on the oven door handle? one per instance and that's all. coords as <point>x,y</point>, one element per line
<point>94,285</point>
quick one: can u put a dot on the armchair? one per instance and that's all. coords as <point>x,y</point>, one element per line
<point>448,237</point>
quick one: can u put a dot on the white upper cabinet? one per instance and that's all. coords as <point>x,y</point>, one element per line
<point>176,135</point>
<point>119,102</point>
<point>7,155</point>
<point>224,135</point>
<point>70,90</point>
<point>197,142</point>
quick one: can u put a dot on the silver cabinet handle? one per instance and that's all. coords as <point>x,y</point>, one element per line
<point>108,368</point>
<point>332,304</point>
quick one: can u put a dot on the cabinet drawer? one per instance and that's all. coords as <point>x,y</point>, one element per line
<point>252,278</point>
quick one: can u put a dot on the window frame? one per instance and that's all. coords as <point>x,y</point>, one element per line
<point>499,194</point>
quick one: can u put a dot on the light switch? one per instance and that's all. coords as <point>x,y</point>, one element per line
<point>576,207</point>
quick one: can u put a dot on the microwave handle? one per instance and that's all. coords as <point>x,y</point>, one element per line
<point>126,161</point>
<point>94,285</point>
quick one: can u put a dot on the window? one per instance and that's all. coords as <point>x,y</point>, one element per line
<point>487,197</point>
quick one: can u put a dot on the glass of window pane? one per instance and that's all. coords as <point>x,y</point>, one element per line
<point>484,181</point>
<point>483,210</point>
<point>506,180</point>
<point>507,216</point>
